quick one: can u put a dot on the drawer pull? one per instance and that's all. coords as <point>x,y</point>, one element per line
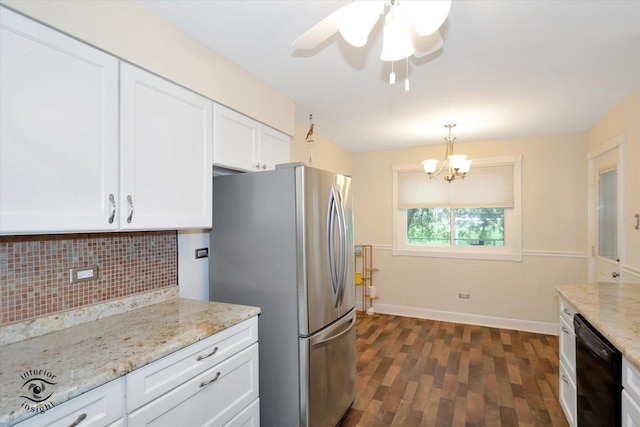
<point>566,311</point>
<point>565,330</point>
<point>206,383</point>
<point>78,420</point>
<point>201,357</point>
<point>564,378</point>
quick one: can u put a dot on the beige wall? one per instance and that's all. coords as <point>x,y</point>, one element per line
<point>132,32</point>
<point>323,153</point>
<point>625,119</point>
<point>520,294</point>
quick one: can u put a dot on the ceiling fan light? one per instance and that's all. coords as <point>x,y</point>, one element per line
<point>356,20</point>
<point>396,41</point>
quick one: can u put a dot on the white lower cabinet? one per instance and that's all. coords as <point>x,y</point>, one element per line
<point>249,417</point>
<point>567,377</point>
<point>630,394</point>
<point>568,396</point>
<point>212,398</point>
<point>213,382</point>
<point>102,406</point>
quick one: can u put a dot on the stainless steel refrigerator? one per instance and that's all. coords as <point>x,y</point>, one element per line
<point>282,240</point>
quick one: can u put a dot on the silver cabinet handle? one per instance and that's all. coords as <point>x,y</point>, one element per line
<point>566,311</point>
<point>206,383</point>
<point>78,420</point>
<point>264,166</point>
<point>565,330</point>
<point>257,165</point>
<point>112,200</point>
<point>615,274</point>
<point>130,202</point>
<point>204,356</point>
<point>564,378</point>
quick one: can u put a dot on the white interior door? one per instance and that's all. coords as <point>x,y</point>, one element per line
<point>607,205</point>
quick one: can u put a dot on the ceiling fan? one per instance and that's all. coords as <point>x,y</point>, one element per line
<point>405,21</point>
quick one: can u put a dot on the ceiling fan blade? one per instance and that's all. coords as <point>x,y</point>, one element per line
<point>356,20</point>
<point>427,16</point>
<point>318,33</point>
<point>427,45</point>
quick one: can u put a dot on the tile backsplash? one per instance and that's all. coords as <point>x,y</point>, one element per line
<point>34,270</point>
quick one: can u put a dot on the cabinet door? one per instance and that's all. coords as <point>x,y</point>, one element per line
<point>58,131</point>
<point>210,399</point>
<point>274,148</point>
<point>236,140</point>
<point>630,411</point>
<point>166,143</point>
<point>99,407</point>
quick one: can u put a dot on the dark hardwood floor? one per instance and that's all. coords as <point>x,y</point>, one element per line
<point>417,372</point>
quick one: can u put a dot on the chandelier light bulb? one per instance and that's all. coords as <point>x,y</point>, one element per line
<point>430,165</point>
<point>392,78</point>
<point>406,85</point>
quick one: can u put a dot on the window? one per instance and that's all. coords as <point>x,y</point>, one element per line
<point>478,217</point>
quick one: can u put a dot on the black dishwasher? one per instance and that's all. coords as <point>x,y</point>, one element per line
<point>598,377</point>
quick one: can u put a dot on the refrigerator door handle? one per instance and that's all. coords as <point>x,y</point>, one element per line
<point>343,246</point>
<point>332,212</point>
<point>352,323</point>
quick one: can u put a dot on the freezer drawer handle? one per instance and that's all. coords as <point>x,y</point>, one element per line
<point>78,420</point>
<point>206,383</point>
<point>204,356</point>
<point>335,337</point>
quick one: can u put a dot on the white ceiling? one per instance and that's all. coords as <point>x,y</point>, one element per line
<point>508,69</point>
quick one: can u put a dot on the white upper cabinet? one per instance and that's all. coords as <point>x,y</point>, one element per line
<point>244,144</point>
<point>236,140</point>
<point>58,131</point>
<point>274,148</point>
<point>166,153</point>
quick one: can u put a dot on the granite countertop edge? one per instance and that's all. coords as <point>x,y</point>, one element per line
<point>88,355</point>
<point>612,308</point>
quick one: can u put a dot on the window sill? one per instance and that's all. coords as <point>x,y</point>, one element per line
<point>430,253</point>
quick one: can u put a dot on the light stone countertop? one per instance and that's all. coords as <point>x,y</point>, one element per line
<point>88,355</point>
<point>614,309</point>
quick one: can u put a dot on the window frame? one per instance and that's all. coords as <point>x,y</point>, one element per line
<point>511,251</point>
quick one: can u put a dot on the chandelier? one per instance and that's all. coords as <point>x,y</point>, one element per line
<point>457,164</point>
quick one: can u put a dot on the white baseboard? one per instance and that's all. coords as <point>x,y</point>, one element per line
<point>470,319</point>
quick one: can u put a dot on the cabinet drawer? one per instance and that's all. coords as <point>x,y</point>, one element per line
<point>631,379</point>
<point>212,398</point>
<point>161,376</point>
<point>99,407</point>
<point>568,348</point>
<point>568,397</point>
<point>249,417</point>
<point>630,411</point>
<point>567,312</point>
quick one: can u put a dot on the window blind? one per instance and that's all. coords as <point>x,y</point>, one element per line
<point>489,186</point>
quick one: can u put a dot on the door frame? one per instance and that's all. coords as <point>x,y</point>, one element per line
<point>619,143</point>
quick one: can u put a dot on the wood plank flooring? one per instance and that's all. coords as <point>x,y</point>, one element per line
<point>418,372</point>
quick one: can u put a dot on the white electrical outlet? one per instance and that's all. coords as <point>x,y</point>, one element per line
<point>83,274</point>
